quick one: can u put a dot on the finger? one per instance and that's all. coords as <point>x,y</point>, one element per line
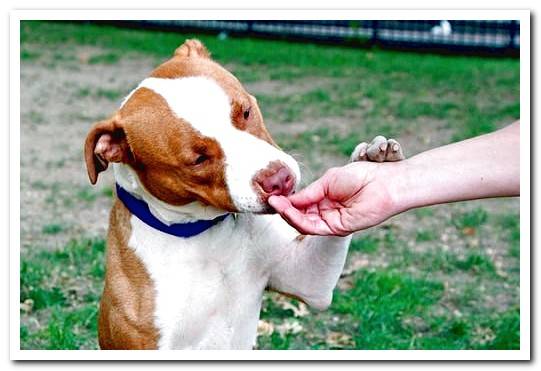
<point>304,223</point>
<point>312,209</point>
<point>312,194</point>
<point>279,203</point>
<point>333,219</point>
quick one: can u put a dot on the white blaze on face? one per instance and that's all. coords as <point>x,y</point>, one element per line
<point>202,103</point>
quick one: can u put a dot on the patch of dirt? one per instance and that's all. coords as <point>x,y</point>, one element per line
<point>58,106</point>
<point>339,125</point>
<point>425,133</point>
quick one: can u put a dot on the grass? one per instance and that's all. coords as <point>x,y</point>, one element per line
<point>107,191</point>
<point>87,194</point>
<point>27,55</point>
<point>368,244</point>
<point>62,286</point>
<point>380,301</point>
<point>387,309</point>
<point>430,283</point>
<point>423,235</point>
<point>511,226</point>
<point>110,94</point>
<point>477,262</point>
<point>423,212</point>
<point>105,58</point>
<point>53,228</point>
<point>36,117</point>
<point>470,222</point>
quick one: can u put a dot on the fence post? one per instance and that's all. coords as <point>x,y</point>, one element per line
<point>375,36</point>
<point>513,27</point>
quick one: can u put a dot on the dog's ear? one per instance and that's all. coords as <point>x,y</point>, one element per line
<point>106,142</point>
<point>192,48</point>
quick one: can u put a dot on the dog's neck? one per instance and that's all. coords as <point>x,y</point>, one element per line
<point>166,213</point>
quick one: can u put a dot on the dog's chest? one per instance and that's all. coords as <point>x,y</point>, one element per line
<point>208,288</point>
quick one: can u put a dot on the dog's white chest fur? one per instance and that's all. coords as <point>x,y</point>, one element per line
<point>208,287</point>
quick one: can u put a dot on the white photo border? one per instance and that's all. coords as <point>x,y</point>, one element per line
<point>235,14</point>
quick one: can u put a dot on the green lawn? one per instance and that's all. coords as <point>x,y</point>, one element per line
<point>444,277</point>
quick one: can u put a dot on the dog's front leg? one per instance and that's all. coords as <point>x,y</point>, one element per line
<point>310,266</point>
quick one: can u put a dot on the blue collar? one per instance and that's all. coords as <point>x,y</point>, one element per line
<point>140,209</point>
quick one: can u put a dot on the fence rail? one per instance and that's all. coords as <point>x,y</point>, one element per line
<point>494,37</point>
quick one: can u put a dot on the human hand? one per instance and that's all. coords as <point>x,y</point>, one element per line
<point>363,194</point>
<point>344,200</point>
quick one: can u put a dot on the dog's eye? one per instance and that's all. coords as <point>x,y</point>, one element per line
<point>246,114</point>
<point>200,159</point>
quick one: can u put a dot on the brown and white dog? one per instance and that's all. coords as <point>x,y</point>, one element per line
<point>189,144</point>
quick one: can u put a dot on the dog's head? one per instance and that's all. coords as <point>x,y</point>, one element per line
<point>191,132</point>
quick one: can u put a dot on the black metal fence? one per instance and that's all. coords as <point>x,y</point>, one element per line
<point>493,37</point>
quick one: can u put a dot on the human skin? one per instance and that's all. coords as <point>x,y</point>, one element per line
<point>363,194</point>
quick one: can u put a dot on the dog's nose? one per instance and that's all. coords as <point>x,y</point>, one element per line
<point>281,182</point>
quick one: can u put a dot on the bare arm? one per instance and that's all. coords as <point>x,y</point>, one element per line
<point>481,167</point>
<point>363,194</point>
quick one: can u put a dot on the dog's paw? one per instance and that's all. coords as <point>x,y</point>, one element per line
<point>379,150</point>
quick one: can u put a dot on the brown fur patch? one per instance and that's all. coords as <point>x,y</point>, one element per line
<point>192,48</point>
<point>126,319</point>
<point>166,150</point>
<point>98,161</point>
<point>240,99</point>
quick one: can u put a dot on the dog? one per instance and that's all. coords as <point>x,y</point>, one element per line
<point>192,242</point>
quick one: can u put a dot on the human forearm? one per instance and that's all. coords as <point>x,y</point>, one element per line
<point>363,194</point>
<point>481,167</point>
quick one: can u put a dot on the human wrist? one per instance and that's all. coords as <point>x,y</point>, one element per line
<point>399,177</point>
